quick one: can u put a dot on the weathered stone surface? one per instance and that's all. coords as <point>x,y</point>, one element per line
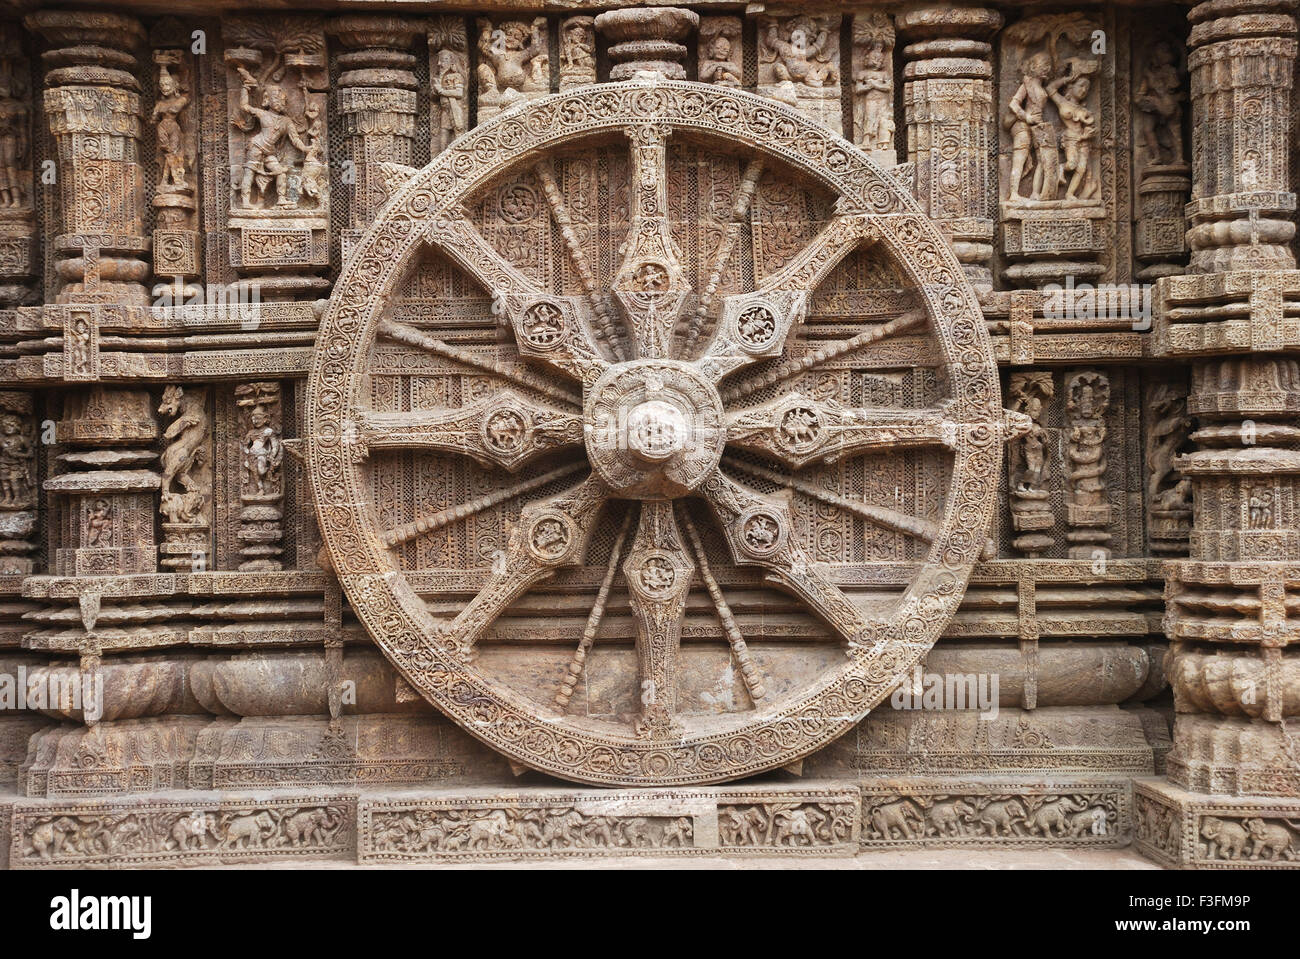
<point>451,435</point>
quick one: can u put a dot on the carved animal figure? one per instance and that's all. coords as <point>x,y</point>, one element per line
<point>311,825</point>
<point>1091,821</point>
<point>192,831</point>
<point>946,817</point>
<point>48,838</point>
<point>491,831</point>
<point>1271,839</point>
<point>1050,818</point>
<point>1224,839</point>
<point>185,435</point>
<point>1001,816</point>
<point>901,815</point>
<point>797,826</point>
<point>249,831</point>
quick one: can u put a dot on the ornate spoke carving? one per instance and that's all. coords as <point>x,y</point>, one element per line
<point>651,283</point>
<point>758,530</point>
<point>798,430</point>
<point>755,325</point>
<point>504,429</point>
<point>547,328</point>
<point>658,571</point>
<point>740,649</point>
<point>549,534</point>
<point>787,371</point>
<point>410,336</point>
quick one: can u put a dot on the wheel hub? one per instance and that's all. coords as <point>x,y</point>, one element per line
<point>654,428</point>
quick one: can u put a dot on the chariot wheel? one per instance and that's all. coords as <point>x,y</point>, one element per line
<point>723,496</point>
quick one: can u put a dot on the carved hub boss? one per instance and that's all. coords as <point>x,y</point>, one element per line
<point>745,464</point>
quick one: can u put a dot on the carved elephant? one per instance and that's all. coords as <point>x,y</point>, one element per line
<point>192,831</point>
<point>946,817</point>
<point>1088,821</point>
<point>312,825</point>
<point>1271,839</point>
<point>48,838</point>
<point>896,815</point>
<point>248,831</point>
<point>1225,839</point>
<point>563,831</point>
<point>1051,818</point>
<point>1001,816</point>
<point>797,825</point>
<point>491,831</point>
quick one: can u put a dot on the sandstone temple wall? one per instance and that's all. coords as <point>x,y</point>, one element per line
<point>547,429</point>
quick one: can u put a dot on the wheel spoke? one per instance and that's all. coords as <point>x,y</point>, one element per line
<point>797,430</point>
<point>410,336</point>
<point>759,531</point>
<point>658,571</point>
<point>756,326</point>
<point>427,524</point>
<point>579,661</point>
<point>549,534</point>
<point>749,670</point>
<point>606,329</point>
<point>547,328</point>
<point>651,283</point>
<point>504,429</point>
<point>745,191</point>
<point>902,323</point>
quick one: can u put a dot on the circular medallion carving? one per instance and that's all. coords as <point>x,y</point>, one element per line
<point>652,448</point>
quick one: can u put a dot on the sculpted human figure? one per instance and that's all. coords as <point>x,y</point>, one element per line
<point>171,145</point>
<point>717,68</point>
<point>508,52</point>
<point>14,144</point>
<point>16,457</point>
<point>263,161</point>
<point>578,49</point>
<point>448,83</point>
<point>1032,133</point>
<point>1069,92</point>
<point>801,59</point>
<point>875,105</point>
<point>263,454</point>
<point>1159,102</point>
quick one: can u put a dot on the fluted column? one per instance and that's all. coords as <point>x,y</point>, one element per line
<point>1231,614</point>
<point>376,99</point>
<point>93,108</point>
<point>948,109</point>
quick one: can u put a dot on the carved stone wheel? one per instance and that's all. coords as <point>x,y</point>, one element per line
<point>652,425</point>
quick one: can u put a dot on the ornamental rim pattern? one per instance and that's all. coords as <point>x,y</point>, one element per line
<point>741,744</point>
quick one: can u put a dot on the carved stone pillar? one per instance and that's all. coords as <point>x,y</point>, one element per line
<point>93,108</point>
<point>649,39</point>
<point>18,262</point>
<point>948,108</point>
<point>1241,62</point>
<point>1230,616</point>
<point>376,100</point>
